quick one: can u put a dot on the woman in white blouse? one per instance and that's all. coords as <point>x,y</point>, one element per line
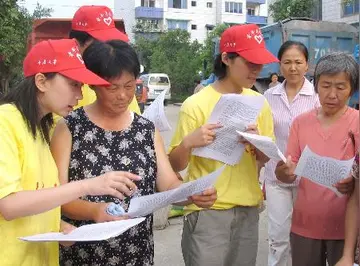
<point>289,99</point>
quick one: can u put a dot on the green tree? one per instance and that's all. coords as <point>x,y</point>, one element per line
<point>207,55</point>
<point>145,48</point>
<point>283,9</point>
<point>41,12</point>
<point>15,26</point>
<point>175,54</point>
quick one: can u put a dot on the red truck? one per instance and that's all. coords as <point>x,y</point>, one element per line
<point>56,28</point>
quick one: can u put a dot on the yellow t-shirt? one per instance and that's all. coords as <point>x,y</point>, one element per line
<point>238,185</point>
<point>89,96</point>
<point>25,164</point>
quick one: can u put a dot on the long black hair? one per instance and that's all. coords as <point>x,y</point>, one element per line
<point>24,97</point>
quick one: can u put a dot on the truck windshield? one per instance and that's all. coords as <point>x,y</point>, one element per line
<point>159,81</point>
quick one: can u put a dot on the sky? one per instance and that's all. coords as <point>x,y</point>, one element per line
<point>64,8</point>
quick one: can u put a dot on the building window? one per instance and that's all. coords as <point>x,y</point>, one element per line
<point>148,3</point>
<point>193,3</point>
<point>209,27</point>
<point>193,27</point>
<point>350,8</point>
<point>181,4</point>
<point>177,24</point>
<point>209,5</point>
<point>233,7</point>
<point>251,11</point>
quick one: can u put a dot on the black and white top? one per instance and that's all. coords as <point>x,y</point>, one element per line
<point>96,151</point>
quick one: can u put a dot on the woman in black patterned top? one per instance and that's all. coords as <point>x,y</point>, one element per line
<point>106,136</point>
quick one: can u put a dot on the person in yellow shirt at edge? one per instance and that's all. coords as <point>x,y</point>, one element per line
<point>95,23</point>
<point>226,234</point>
<point>30,194</point>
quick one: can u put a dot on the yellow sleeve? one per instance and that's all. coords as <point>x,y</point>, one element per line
<point>56,120</point>
<point>134,106</point>
<point>89,96</point>
<point>265,121</point>
<point>10,166</point>
<point>187,123</point>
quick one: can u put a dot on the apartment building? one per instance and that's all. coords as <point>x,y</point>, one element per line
<point>333,10</point>
<point>341,11</point>
<point>197,17</point>
<point>151,17</point>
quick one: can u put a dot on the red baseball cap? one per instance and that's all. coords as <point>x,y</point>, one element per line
<point>248,42</point>
<point>59,56</point>
<point>97,21</point>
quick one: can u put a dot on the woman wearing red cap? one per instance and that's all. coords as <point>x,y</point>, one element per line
<point>95,23</point>
<point>91,23</point>
<point>227,234</point>
<point>105,135</point>
<point>30,194</point>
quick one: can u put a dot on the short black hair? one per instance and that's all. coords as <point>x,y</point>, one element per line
<point>273,74</point>
<point>220,69</point>
<point>110,59</point>
<point>24,97</point>
<point>82,37</point>
<point>289,44</point>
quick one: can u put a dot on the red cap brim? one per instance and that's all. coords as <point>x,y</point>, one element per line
<point>259,56</point>
<point>109,34</point>
<point>85,76</point>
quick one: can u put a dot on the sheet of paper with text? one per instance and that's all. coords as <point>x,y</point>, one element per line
<point>265,144</point>
<point>90,232</point>
<point>156,113</point>
<point>321,170</point>
<point>234,112</point>
<point>144,205</point>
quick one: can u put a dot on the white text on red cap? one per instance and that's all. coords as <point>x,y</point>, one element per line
<point>47,61</point>
<point>256,34</point>
<point>75,52</point>
<point>106,18</point>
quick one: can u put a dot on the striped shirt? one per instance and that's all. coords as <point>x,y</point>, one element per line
<point>283,115</point>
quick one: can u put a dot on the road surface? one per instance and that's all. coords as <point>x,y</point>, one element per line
<point>167,241</point>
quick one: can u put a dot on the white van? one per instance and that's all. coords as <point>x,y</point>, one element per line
<point>156,83</point>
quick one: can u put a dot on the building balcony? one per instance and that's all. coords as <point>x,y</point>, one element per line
<point>260,20</point>
<point>149,12</point>
<point>258,2</point>
<point>148,26</point>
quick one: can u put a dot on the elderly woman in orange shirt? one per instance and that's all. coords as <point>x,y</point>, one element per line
<point>318,227</point>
